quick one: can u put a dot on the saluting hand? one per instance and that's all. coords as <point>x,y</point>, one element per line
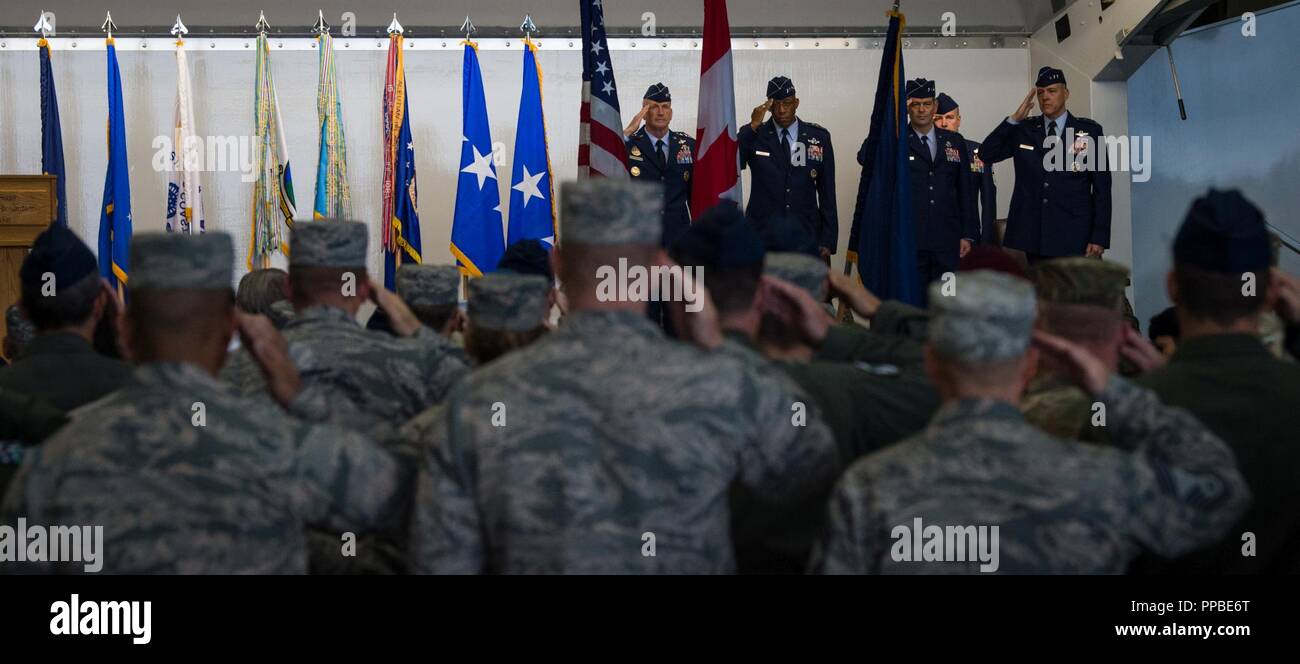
<point>1026,106</point>
<point>760,113</point>
<point>271,353</point>
<point>1087,371</point>
<point>1287,290</point>
<point>400,317</point>
<point>1095,250</point>
<point>635,124</point>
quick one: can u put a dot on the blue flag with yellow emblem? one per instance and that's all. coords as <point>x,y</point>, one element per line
<point>532,203</point>
<point>115,213</point>
<point>402,228</point>
<point>476,237</point>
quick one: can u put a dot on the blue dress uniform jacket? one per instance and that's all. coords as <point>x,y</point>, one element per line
<point>805,192</point>
<point>1053,213</point>
<point>982,181</point>
<point>943,200</point>
<point>675,173</point>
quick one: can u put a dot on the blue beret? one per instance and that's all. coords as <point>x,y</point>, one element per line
<point>1049,76</point>
<point>1224,233</point>
<point>658,92</point>
<point>59,251</point>
<point>721,238</point>
<point>527,257</point>
<point>780,88</point>
<point>946,104</point>
<point>920,88</point>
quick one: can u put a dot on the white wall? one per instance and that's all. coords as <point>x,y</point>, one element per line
<point>835,87</point>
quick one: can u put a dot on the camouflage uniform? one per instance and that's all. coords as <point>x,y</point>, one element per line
<point>508,301</point>
<point>376,381</point>
<point>230,494</point>
<point>1060,506</point>
<point>617,442</point>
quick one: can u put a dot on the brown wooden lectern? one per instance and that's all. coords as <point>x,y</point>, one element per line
<point>28,205</point>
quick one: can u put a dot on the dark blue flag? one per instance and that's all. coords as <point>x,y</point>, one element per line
<point>882,234</point>
<point>52,133</point>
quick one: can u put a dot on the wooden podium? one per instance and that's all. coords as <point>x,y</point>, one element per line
<point>28,205</point>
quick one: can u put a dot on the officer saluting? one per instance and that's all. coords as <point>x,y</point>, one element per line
<point>943,201</point>
<point>981,174</point>
<point>791,165</point>
<point>657,154</point>
<point>1064,211</point>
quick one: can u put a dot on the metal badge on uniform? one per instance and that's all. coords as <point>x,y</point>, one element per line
<point>1026,147</point>
<point>911,158</point>
<point>814,152</point>
<point>976,164</point>
<point>636,171</point>
<point>762,154</point>
<point>814,173</point>
<point>686,176</point>
<point>952,153</point>
<point>1080,142</point>
<point>636,157</point>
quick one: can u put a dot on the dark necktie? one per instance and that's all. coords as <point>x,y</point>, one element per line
<point>785,141</point>
<point>1051,128</point>
<point>663,153</point>
<point>925,142</point>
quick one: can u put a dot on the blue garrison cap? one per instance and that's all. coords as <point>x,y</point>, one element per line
<point>658,92</point>
<point>1050,76</point>
<point>722,238</point>
<point>780,88</point>
<point>1224,233</point>
<point>920,88</point>
<point>60,252</point>
<point>527,257</point>
<point>946,104</point>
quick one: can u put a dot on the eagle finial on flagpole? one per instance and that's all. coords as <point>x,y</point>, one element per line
<point>262,27</point>
<point>528,27</point>
<point>43,25</point>
<point>468,27</point>
<point>178,29</point>
<point>395,28</point>
<point>109,26</point>
<point>321,27</point>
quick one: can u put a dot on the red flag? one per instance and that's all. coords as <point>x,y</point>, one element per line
<point>717,166</point>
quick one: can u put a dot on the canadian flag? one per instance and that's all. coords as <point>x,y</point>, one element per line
<point>717,163</point>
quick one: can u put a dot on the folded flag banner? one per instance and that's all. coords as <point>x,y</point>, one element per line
<point>273,200</point>
<point>184,186</point>
<point>333,199</point>
<point>115,212</point>
<point>600,132</point>
<point>402,230</point>
<point>477,240</point>
<point>882,233</point>
<point>532,203</point>
<point>52,132</point>
<point>717,168</point>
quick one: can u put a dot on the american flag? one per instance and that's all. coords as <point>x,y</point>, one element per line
<point>600,134</point>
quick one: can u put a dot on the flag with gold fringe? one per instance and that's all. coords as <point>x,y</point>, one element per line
<point>184,186</point>
<point>273,201</point>
<point>401,218</point>
<point>333,199</point>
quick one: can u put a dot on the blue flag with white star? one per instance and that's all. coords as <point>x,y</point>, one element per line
<point>532,203</point>
<point>476,236</point>
<point>115,213</point>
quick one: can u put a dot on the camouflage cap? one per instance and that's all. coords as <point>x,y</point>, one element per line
<point>988,317</point>
<point>508,301</point>
<point>328,243</point>
<point>1081,280</point>
<point>802,270</point>
<point>604,211</point>
<point>19,330</point>
<point>428,285</point>
<point>178,260</point>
